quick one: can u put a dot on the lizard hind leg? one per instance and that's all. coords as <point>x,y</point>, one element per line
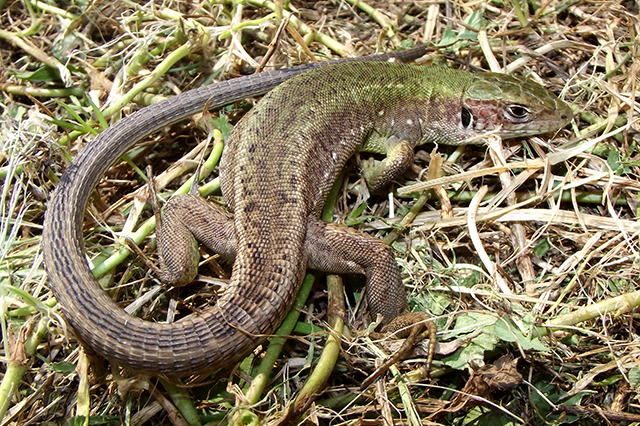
<point>339,249</point>
<point>187,220</point>
<point>336,248</point>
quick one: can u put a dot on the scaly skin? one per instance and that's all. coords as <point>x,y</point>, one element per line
<point>277,168</point>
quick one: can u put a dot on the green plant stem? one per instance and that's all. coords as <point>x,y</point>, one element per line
<point>617,305</point>
<point>259,382</point>
<point>329,357</point>
<point>149,225</point>
<point>332,44</point>
<point>246,24</point>
<point>582,197</point>
<point>83,395</point>
<point>158,72</point>
<point>46,7</point>
<point>408,219</point>
<point>520,13</point>
<point>18,363</point>
<point>182,400</point>
<point>403,390</point>
<point>376,15</point>
<point>178,54</point>
<point>33,51</point>
<point>35,22</point>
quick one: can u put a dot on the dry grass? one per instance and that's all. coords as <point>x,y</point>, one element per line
<point>542,271</point>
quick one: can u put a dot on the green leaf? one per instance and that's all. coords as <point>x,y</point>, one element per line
<point>448,37</point>
<point>482,327</point>
<point>613,159</point>
<point>98,114</point>
<point>222,123</point>
<point>66,124</point>
<point>507,331</point>
<point>436,303</point>
<point>471,280</point>
<point>634,376</point>
<point>475,20</point>
<point>79,125</point>
<point>487,340</point>
<point>76,421</point>
<point>358,211</point>
<point>529,321</point>
<point>39,75</point>
<point>542,247</point>
<point>608,381</point>
<point>95,421</point>
<point>555,395</point>
<point>461,359</point>
<point>472,322</point>
<point>484,416</point>
<point>62,367</point>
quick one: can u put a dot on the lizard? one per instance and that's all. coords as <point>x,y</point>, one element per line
<point>279,162</point>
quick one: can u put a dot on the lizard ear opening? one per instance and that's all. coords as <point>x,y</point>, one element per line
<point>465,117</point>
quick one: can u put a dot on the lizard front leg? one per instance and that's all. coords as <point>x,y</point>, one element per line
<point>399,156</point>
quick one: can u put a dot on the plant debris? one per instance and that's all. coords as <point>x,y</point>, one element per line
<point>533,287</point>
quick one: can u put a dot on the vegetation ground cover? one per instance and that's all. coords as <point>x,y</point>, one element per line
<point>532,286</point>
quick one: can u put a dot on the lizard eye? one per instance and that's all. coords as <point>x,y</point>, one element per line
<point>517,112</point>
<point>465,117</point>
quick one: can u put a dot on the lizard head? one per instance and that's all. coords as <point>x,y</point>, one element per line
<point>513,107</point>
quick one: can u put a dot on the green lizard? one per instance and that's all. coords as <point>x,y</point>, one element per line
<point>279,163</point>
